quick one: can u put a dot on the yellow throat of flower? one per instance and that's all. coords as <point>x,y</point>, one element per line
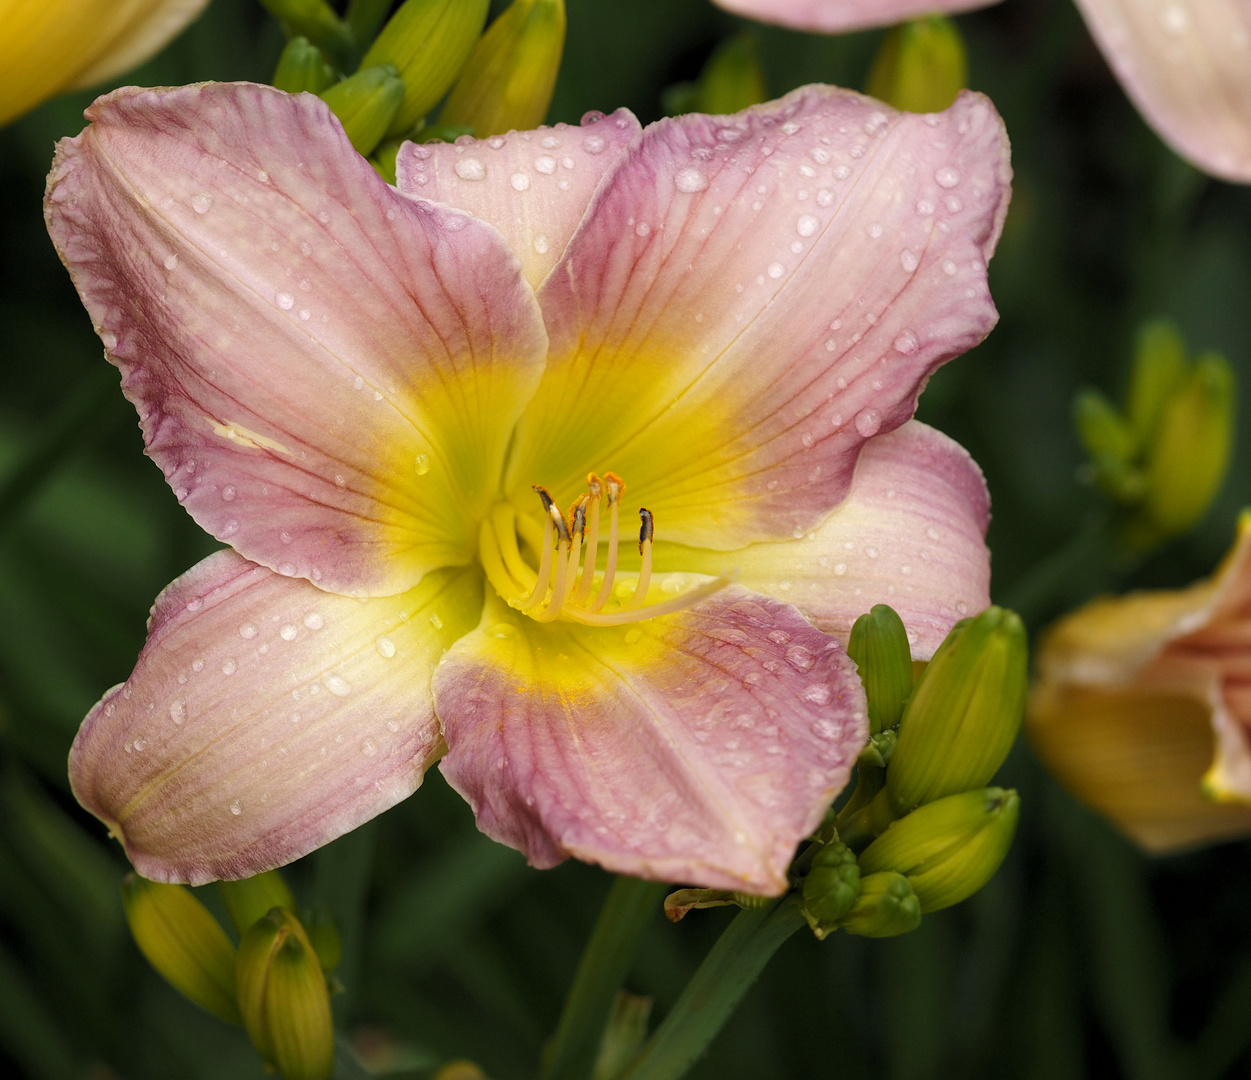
<point>567,585</point>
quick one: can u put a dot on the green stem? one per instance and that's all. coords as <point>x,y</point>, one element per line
<point>714,991</point>
<point>605,963</point>
<point>1054,581</point>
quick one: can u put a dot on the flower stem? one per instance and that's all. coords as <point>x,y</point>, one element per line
<point>571,1053</point>
<point>715,989</point>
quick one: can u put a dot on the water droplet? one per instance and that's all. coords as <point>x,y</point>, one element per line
<point>171,261</point>
<point>470,168</point>
<point>594,144</point>
<point>690,180</point>
<point>840,568</point>
<point>247,631</point>
<point>1175,19</point>
<point>642,229</point>
<point>807,438</point>
<point>949,268</point>
<point>541,244</point>
<point>337,685</point>
<point>230,666</point>
<point>197,665</point>
<point>807,225</point>
<point>314,621</point>
<point>422,464</point>
<point>908,260</point>
<point>502,630</point>
<point>776,270</point>
<point>288,632</point>
<point>285,301</point>
<point>178,711</point>
<point>546,165</point>
<point>369,748</point>
<point>435,621</point>
<point>820,155</point>
<point>818,694</point>
<point>520,181</point>
<point>868,421</point>
<point>800,658</point>
<point>228,493</point>
<point>906,343</point>
<point>790,128</point>
<point>323,216</point>
<point>947,177</point>
<point>874,230</point>
<point>386,647</point>
<point>633,635</point>
<point>201,203</point>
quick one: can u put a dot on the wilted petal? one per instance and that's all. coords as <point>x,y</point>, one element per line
<point>698,747</point>
<point>54,45</point>
<point>1187,66</point>
<point>265,717</point>
<point>534,186</point>
<point>751,297</point>
<point>911,534</point>
<point>326,371</point>
<point>839,16</point>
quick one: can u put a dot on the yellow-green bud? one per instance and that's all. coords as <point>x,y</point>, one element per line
<point>950,848</point>
<point>921,66</point>
<point>510,75</point>
<point>181,939</point>
<point>365,104</point>
<point>364,17</point>
<point>885,907</point>
<point>1189,454</point>
<point>253,898</point>
<point>428,42</point>
<point>733,77</point>
<point>323,934</point>
<point>302,67</point>
<point>879,646</point>
<point>283,998</point>
<point>964,712</point>
<point>315,20</point>
<point>831,887</point>
<point>1112,446</point>
<point>1158,368</point>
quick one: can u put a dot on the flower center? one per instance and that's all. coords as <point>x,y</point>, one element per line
<point>567,583</point>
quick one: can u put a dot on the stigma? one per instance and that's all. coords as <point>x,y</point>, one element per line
<point>567,583</point>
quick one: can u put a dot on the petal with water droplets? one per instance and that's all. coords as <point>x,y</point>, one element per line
<point>265,717</point>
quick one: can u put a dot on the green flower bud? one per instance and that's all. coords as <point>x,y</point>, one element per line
<point>253,898</point>
<point>428,42</point>
<point>182,940</point>
<point>1158,369</point>
<point>964,712</point>
<point>885,907</point>
<point>364,17</point>
<point>879,749</point>
<point>302,67</point>
<point>1189,454</point>
<point>323,934</point>
<point>510,75</point>
<point>950,848</point>
<point>879,646</point>
<point>921,66</point>
<point>831,887</point>
<point>283,998</point>
<point>315,20</point>
<point>732,79</point>
<point>365,104</point>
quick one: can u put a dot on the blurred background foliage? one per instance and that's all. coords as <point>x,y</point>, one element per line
<point>1081,958</point>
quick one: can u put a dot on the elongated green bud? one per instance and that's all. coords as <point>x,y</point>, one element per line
<point>283,998</point>
<point>316,21</point>
<point>181,939</point>
<point>365,104</point>
<point>950,848</point>
<point>1158,369</point>
<point>365,17</point>
<point>879,646</point>
<point>428,42</point>
<point>964,712</point>
<point>301,67</point>
<point>885,907</point>
<point>921,66</point>
<point>510,75</point>
<point>733,78</point>
<point>1189,454</point>
<point>831,887</point>
<point>1112,446</point>
<point>253,898</point>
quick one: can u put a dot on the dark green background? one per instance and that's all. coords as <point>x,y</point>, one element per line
<point>1081,958</point>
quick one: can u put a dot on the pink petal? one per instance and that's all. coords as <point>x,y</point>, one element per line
<point>752,297</point>
<point>265,717</point>
<point>533,186</point>
<point>839,16</point>
<point>326,371</point>
<point>911,534</point>
<point>699,747</point>
<point>1188,69</point>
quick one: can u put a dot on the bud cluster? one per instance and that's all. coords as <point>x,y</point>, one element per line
<point>276,983</point>
<point>384,81</point>
<point>1162,458</point>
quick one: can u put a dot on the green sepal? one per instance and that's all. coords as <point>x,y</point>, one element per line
<point>879,749</point>
<point>921,66</point>
<point>302,67</point>
<point>885,907</point>
<point>365,104</point>
<point>950,848</point>
<point>879,646</point>
<point>252,898</point>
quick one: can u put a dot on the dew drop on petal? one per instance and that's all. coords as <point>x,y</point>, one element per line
<point>285,301</point>
<point>314,621</point>
<point>546,165</point>
<point>230,666</point>
<point>288,632</point>
<point>519,181</point>
<point>947,177</point>
<point>201,204</point>
<point>171,261</point>
<point>386,647</point>
<point>236,808</point>
<point>776,270</point>
<point>807,225</point>
<point>470,168</point>
<point>690,180</point>
<point>868,421</point>
<point>422,464</point>
<point>337,685</point>
<point>594,144</point>
<point>541,244</point>
<point>908,260</point>
<point>178,711</point>
<point>228,493</point>
<point>906,343</point>
<point>247,631</point>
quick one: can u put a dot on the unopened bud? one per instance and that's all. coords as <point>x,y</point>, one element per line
<point>831,887</point>
<point>365,104</point>
<point>283,998</point>
<point>428,42</point>
<point>1158,368</point>
<point>301,67</point>
<point>510,75</point>
<point>921,66</point>
<point>879,749</point>
<point>316,21</point>
<point>183,942</point>
<point>249,899</point>
<point>879,646</point>
<point>964,712</point>
<point>885,907</point>
<point>950,848</point>
<point>1189,454</point>
<point>323,935</point>
<point>732,79</point>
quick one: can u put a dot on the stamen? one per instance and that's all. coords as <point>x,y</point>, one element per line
<point>506,523</point>
<point>647,530</point>
<point>545,566</point>
<point>616,487</point>
<point>552,611</point>
<point>676,603</point>
<point>577,527</point>
<point>592,540</point>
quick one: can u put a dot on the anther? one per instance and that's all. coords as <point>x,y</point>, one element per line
<point>647,528</point>
<point>592,540</point>
<point>558,519</point>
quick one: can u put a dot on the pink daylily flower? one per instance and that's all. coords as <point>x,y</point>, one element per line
<point>1186,64</point>
<point>357,386</point>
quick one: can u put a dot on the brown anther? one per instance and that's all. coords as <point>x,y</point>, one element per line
<point>616,487</point>
<point>647,528</point>
<point>577,515</point>
<point>558,519</point>
<point>593,482</point>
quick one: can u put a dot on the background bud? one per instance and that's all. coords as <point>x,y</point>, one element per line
<point>427,41</point>
<point>732,79</point>
<point>885,907</point>
<point>921,66</point>
<point>365,104</point>
<point>510,75</point>
<point>879,646</point>
<point>301,67</point>
<point>964,712</point>
<point>316,21</point>
<point>950,848</point>
<point>1158,368</point>
<point>181,939</point>
<point>249,899</point>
